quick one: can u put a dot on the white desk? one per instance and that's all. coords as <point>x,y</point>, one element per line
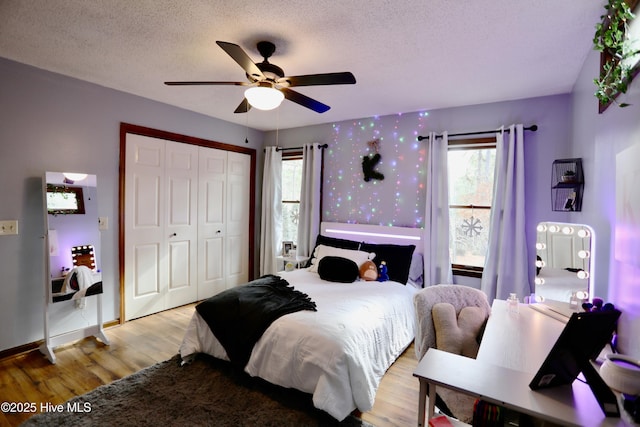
<point>512,350</point>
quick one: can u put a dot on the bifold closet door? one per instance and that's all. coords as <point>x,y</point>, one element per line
<point>160,225</point>
<point>237,223</point>
<point>223,220</point>
<point>211,216</point>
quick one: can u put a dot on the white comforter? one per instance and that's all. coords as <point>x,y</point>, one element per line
<point>339,353</point>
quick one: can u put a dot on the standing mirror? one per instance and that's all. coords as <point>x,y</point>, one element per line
<point>564,263</point>
<point>73,235</point>
<point>73,261</point>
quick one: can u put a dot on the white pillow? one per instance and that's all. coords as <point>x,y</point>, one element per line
<point>321,251</point>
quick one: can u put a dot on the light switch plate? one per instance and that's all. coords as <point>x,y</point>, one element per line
<point>103,223</point>
<point>8,227</point>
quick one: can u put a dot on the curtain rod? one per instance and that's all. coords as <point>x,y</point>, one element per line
<point>532,128</point>
<point>300,148</point>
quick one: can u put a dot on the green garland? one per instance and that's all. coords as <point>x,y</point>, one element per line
<point>611,37</point>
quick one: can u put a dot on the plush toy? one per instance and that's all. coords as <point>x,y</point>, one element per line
<point>368,271</point>
<point>382,273</point>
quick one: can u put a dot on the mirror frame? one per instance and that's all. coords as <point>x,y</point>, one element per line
<point>582,258</point>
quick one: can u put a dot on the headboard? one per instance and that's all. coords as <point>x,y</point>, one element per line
<point>375,234</point>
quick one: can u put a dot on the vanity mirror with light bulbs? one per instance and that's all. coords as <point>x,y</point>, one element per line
<point>72,262</point>
<point>564,264</point>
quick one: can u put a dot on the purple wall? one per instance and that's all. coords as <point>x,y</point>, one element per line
<point>599,139</point>
<point>54,123</point>
<point>399,199</point>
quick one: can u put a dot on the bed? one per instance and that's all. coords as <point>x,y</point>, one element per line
<point>340,352</point>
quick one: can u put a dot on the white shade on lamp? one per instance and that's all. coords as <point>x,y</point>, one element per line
<point>74,176</point>
<point>264,98</point>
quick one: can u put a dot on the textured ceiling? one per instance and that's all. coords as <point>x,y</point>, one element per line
<point>406,55</point>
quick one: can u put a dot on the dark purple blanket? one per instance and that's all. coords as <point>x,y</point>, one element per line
<point>239,316</point>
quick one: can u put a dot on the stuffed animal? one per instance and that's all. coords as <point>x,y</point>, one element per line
<point>383,276</point>
<point>368,271</point>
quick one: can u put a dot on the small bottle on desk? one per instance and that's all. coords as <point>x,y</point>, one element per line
<point>512,303</point>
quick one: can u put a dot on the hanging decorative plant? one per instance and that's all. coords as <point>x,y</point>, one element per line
<point>611,38</point>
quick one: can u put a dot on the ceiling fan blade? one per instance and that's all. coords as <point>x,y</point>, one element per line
<point>345,78</point>
<point>244,107</point>
<point>207,83</point>
<point>304,100</point>
<point>240,56</point>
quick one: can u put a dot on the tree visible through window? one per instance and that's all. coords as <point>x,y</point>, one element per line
<point>291,185</point>
<point>471,164</point>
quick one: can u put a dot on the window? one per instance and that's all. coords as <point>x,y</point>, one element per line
<point>471,164</point>
<point>64,200</point>
<point>291,185</point>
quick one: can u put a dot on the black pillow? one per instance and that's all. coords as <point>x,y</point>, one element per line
<point>334,242</point>
<point>338,269</point>
<point>397,257</point>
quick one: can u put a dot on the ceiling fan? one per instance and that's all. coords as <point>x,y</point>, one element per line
<point>269,78</point>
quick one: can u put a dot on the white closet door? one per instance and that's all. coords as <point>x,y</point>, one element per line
<point>160,225</point>
<point>145,241</point>
<point>211,218</point>
<point>181,179</point>
<point>186,223</point>
<point>237,221</point>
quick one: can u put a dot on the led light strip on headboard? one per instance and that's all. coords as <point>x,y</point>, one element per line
<point>374,233</point>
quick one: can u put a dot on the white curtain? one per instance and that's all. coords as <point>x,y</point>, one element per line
<point>506,264</point>
<point>437,261</point>
<point>271,219</point>
<point>309,215</point>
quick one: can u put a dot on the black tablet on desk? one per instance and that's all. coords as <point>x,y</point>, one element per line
<point>582,339</point>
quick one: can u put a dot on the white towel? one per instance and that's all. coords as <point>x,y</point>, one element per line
<point>84,279</point>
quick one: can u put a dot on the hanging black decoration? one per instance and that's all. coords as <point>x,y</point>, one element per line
<point>369,163</point>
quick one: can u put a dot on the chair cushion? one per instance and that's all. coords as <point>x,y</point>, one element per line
<point>459,296</point>
<point>458,335</point>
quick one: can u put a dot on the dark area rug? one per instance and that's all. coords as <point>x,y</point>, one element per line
<point>207,392</point>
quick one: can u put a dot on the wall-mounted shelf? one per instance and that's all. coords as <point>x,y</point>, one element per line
<point>567,184</point>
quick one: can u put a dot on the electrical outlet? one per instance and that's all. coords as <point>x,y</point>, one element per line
<point>8,227</point>
<point>103,223</point>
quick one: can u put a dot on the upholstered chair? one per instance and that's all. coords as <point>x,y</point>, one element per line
<point>451,318</point>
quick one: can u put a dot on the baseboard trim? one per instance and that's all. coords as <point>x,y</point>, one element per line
<point>25,348</point>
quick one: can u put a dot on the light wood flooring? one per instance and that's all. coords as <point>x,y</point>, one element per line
<point>87,364</point>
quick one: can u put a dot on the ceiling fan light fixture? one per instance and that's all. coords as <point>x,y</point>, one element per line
<point>264,98</point>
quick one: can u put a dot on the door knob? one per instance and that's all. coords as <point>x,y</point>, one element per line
<point>173,235</point>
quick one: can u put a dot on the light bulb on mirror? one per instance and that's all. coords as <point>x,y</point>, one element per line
<point>582,295</point>
<point>583,233</point>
